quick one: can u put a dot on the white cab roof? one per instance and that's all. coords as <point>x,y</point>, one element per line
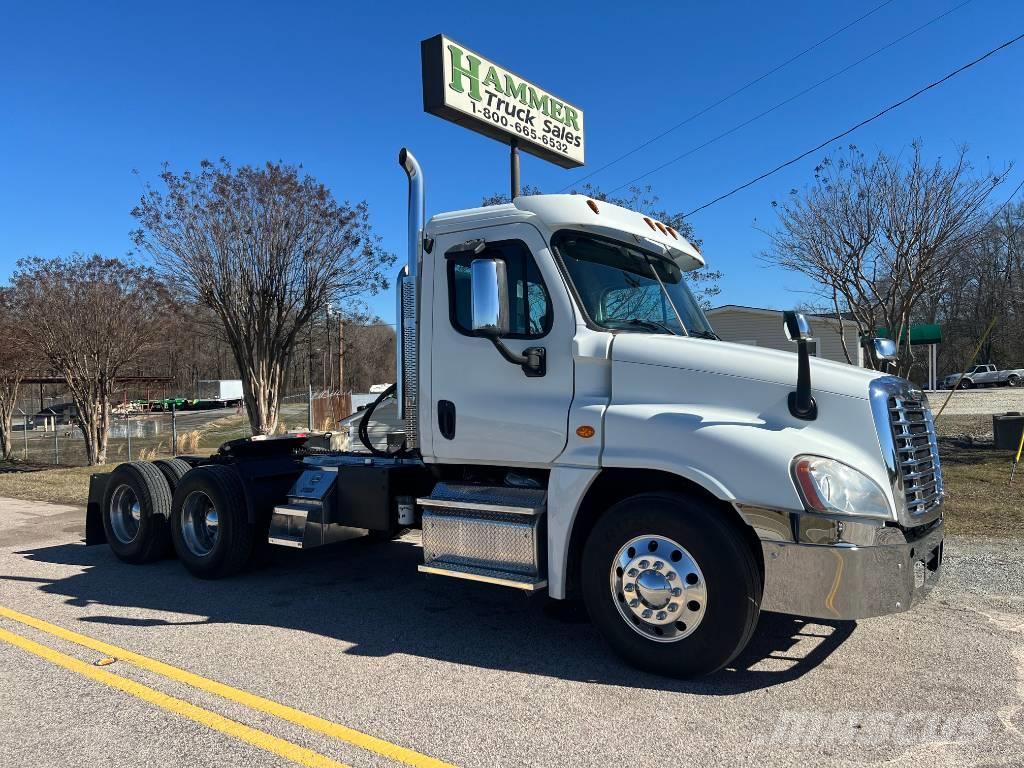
<point>552,213</point>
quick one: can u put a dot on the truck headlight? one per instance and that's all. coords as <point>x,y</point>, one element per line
<point>831,487</point>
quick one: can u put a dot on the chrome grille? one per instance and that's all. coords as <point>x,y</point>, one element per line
<point>917,452</point>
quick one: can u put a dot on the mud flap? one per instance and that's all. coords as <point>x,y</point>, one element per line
<point>94,533</point>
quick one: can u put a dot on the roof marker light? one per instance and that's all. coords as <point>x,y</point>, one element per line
<point>675,235</point>
<point>661,227</point>
<point>593,206</point>
<point>649,222</point>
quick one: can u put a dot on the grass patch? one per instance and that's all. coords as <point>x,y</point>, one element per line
<point>979,500</point>
<point>68,485</point>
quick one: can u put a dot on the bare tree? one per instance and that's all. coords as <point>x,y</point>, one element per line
<point>877,237</point>
<point>266,249</point>
<point>369,353</point>
<point>15,363</point>
<point>987,286</point>
<point>90,318</point>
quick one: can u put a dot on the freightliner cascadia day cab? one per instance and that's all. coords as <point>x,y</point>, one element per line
<point>574,427</point>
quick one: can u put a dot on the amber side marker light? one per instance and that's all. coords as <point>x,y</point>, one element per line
<point>593,206</point>
<point>649,223</point>
<point>585,431</point>
<point>661,227</point>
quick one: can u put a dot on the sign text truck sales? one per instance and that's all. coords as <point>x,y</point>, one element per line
<point>465,88</point>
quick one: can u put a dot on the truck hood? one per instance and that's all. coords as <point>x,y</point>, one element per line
<point>740,360</point>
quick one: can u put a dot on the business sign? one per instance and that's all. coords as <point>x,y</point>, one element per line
<point>462,86</point>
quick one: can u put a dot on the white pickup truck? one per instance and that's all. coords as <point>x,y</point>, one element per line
<point>985,375</point>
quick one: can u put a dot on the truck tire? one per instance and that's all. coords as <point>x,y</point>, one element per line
<point>1013,380</point>
<point>210,525</point>
<point>136,505</point>
<point>966,384</point>
<point>671,584</point>
<point>173,470</point>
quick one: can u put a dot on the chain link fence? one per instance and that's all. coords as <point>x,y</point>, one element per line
<point>49,436</point>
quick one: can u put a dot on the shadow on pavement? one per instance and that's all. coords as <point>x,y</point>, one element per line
<point>370,595</point>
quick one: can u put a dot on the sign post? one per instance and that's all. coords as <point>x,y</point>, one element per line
<point>461,86</point>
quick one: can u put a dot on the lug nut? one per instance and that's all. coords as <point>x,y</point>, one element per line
<point>661,615</point>
<point>673,607</point>
<point>658,565</point>
<point>634,603</point>
<point>632,573</point>
<point>671,575</point>
<point>676,592</point>
<point>628,587</point>
<point>647,613</point>
<point>645,564</point>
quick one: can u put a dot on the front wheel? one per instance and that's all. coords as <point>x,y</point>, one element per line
<point>1013,380</point>
<point>671,584</point>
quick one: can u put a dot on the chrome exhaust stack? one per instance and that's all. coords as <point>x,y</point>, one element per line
<point>406,344</point>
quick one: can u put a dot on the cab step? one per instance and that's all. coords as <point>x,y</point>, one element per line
<point>491,534</point>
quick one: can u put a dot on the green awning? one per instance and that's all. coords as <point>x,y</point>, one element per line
<point>920,333</point>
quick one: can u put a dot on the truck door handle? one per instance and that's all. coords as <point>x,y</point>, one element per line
<point>446,418</point>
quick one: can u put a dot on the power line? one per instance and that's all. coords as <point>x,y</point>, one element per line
<point>861,124</point>
<point>792,98</point>
<point>724,99</point>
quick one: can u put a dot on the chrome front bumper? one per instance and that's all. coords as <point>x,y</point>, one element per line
<point>848,581</point>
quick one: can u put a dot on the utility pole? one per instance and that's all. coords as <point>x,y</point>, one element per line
<point>514,168</point>
<point>329,369</point>
<point>341,352</point>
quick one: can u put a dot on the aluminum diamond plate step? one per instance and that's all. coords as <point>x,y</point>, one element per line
<point>486,575</point>
<point>515,501</point>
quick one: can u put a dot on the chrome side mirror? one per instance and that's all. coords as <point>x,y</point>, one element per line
<point>489,294</point>
<point>801,402</point>
<point>796,326</point>
<point>885,349</point>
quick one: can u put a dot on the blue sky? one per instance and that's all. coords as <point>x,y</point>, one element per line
<point>91,91</point>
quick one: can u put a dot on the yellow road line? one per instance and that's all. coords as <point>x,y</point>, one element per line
<point>292,715</point>
<point>257,738</point>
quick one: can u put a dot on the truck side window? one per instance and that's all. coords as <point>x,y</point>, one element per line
<point>529,307</point>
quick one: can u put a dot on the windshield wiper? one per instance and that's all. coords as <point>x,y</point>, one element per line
<point>649,324</point>
<point>665,293</point>
<point>706,335</point>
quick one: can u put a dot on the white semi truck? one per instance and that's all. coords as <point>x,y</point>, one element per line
<point>573,427</point>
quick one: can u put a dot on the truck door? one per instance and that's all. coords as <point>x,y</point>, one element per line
<point>484,409</point>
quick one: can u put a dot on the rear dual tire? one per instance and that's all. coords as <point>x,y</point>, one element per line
<point>671,584</point>
<point>136,506</point>
<point>210,525</point>
<point>172,470</point>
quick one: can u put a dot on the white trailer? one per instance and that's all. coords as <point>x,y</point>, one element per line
<point>228,391</point>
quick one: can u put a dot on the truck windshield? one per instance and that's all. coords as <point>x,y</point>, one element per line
<point>627,289</point>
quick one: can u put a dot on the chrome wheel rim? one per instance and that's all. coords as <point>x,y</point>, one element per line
<point>200,524</point>
<point>125,514</point>
<point>658,588</point>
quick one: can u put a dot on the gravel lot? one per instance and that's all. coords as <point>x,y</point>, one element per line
<point>978,401</point>
<point>478,676</point>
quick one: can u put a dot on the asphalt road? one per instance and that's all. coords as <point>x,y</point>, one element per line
<point>468,674</point>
